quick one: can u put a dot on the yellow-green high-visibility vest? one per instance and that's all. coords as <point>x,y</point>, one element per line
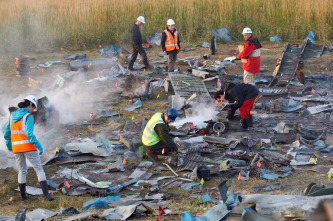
<point>150,137</point>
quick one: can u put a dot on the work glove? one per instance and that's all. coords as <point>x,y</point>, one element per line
<point>231,114</point>
<point>136,47</point>
<point>40,151</point>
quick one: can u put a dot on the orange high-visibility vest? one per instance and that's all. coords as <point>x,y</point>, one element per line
<point>171,41</point>
<point>20,141</point>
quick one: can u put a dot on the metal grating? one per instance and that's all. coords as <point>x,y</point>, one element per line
<point>191,161</point>
<point>185,85</point>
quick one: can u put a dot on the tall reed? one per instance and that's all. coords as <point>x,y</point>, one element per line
<point>38,24</point>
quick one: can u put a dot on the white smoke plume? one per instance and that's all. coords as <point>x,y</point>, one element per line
<point>201,112</point>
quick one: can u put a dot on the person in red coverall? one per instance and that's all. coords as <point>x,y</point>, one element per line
<point>251,52</point>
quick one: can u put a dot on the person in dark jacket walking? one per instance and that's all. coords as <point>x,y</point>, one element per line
<point>251,54</point>
<point>136,42</point>
<point>156,138</point>
<point>240,96</point>
<point>170,44</point>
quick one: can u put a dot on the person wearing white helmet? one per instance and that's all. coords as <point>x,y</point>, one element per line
<point>21,141</point>
<point>251,54</point>
<point>136,42</point>
<point>170,44</point>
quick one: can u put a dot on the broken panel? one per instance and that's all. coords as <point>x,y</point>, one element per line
<point>185,85</point>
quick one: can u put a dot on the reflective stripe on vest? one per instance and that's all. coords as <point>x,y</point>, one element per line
<point>149,136</point>
<point>19,138</point>
<point>171,41</point>
<point>255,53</point>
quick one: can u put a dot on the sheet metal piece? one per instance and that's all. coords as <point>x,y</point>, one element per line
<point>191,161</point>
<point>292,61</point>
<point>185,85</point>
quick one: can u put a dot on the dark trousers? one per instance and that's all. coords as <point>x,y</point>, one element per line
<point>172,57</point>
<point>158,147</point>
<point>135,53</point>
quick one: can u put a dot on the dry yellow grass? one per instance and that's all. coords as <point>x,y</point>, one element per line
<point>32,24</point>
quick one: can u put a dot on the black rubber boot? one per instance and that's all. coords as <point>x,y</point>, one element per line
<point>46,191</point>
<point>249,121</point>
<point>22,191</point>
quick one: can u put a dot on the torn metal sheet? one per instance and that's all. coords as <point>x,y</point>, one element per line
<point>267,174</point>
<point>219,140</point>
<point>185,85</point>
<point>154,39</point>
<point>7,161</point>
<point>92,64</point>
<point>222,33</point>
<point>323,169</point>
<point>88,182</point>
<point>119,213</point>
<point>189,186</point>
<point>320,108</point>
<point>271,187</point>
<point>80,216</point>
<point>118,188</point>
<point>34,191</point>
<point>137,104</point>
<point>212,84</point>
<point>140,173</point>
<point>282,128</point>
<point>111,50</point>
<point>251,215</point>
<point>40,214</point>
<point>268,204</point>
<point>218,212</point>
<point>86,147</point>
<point>283,105</point>
<point>204,45</point>
<point>264,91</point>
<point>309,98</point>
<point>106,114</point>
<point>48,155</point>
<point>199,73</point>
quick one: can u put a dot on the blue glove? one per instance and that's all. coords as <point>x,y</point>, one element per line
<point>40,151</point>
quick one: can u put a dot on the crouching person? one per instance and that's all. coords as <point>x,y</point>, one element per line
<point>240,96</point>
<point>156,138</point>
<point>22,142</point>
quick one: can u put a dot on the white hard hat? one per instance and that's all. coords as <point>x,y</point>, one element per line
<point>171,22</point>
<point>141,19</point>
<point>247,30</point>
<point>32,99</point>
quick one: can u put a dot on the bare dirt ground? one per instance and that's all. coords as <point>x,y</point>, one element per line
<point>12,85</point>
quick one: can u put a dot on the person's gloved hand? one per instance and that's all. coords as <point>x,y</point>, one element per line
<point>136,47</point>
<point>40,151</point>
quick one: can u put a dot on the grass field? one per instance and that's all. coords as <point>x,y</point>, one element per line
<point>49,24</point>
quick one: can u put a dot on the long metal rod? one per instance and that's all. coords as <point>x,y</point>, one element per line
<point>167,165</point>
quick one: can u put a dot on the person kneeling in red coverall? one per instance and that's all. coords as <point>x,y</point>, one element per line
<point>240,96</point>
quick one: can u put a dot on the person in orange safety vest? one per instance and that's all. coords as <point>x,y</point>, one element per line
<point>170,44</point>
<point>23,143</point>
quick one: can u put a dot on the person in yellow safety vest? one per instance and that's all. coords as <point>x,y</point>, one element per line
<point>170,44</point>
<point>22,142</point>
<point>156,138</point>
